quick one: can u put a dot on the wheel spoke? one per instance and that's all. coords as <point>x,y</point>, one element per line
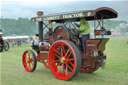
<point>69,60</point>
<point>57,52</point>
<point>30,66</point>
<point>60,68</point>
<point>29,55</point>
<point>58,64</point>
<point>69,67</point>
<point>27,59</point>
<point>67,52</point>
<point>57,55</point>
<point>55,61</point>
<point>62,48</point>
<point>31,60</point>
<point>63,69</point>
<point>32,63</point>
<point>61,52</point>
<point>71,63</point>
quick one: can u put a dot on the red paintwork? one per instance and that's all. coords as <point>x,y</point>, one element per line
<point>27,61</point>
<point>88,70</point>
<point>91,63</point>
<point>65,71</point>
<point>45,62</point>
<point>38,57</point>
<point>62,62</point>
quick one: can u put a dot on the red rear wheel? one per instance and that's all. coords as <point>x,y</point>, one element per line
<point>64,60</point>
<point>29,60</point>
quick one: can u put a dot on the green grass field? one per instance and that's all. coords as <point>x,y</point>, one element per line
<point>115,72</point>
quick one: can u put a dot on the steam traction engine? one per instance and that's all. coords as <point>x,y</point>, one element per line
<point>59,48</point>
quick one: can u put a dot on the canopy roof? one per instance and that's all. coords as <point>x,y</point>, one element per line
<point>100,13</point>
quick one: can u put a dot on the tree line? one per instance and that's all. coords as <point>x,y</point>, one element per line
<point>24,26</point>
<point>20,26</point>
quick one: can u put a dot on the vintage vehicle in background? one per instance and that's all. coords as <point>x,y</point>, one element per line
<point>59,47</point>
<point>3,44</point>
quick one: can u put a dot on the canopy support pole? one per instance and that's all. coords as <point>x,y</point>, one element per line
<point>40,29</point>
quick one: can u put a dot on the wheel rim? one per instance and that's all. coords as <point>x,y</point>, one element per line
<point>28,61</point>
<point>62,60</point>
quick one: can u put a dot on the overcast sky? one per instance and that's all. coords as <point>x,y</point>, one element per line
<point>28,8</point>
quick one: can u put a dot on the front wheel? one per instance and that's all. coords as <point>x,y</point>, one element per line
<point>64,60</point>
<point>29,60</point>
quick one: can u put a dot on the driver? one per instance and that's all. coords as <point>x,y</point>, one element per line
<point>84,33</point>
